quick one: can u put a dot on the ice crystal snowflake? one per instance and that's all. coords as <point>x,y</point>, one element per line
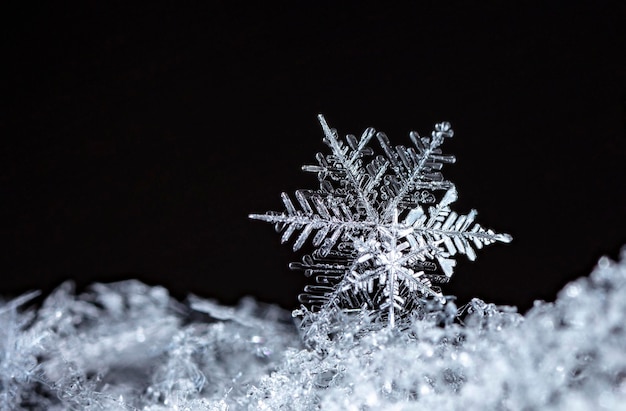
<point>383,231</point>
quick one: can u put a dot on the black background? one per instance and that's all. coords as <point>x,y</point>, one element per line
<point>136,138</point>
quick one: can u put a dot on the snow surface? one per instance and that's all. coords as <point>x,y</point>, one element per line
<point>127,345</point>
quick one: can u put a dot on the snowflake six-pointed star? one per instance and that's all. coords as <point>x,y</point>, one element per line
<point>375,247</point>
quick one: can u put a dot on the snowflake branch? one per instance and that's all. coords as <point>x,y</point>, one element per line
<point>412,168</point>
<point>350,166</point>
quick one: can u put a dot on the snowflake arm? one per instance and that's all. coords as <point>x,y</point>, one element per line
<point>453,230</point>
<point>416,169</point>
<point>314,216</point>
<point>345,175</point>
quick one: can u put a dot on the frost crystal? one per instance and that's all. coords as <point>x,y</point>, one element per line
<point>381,225</point>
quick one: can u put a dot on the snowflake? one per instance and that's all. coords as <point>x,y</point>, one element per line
<point>381,225</point>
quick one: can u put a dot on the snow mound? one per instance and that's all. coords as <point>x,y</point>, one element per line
<point>130,346</point>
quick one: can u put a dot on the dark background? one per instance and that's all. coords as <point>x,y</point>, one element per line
<point>136,138</point>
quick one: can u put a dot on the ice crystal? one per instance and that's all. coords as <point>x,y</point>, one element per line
<point>382,228</point>
<point>19,348</point>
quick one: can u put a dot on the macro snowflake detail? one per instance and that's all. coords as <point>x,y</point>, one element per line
<point>383,233</point>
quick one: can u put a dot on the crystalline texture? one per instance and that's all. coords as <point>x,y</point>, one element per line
<point>381,225</point>
<point>128,346</point>
<point>19,348</point>
<point>569,354</point>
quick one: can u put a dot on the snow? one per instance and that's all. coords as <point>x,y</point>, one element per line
<point>127,345</point>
